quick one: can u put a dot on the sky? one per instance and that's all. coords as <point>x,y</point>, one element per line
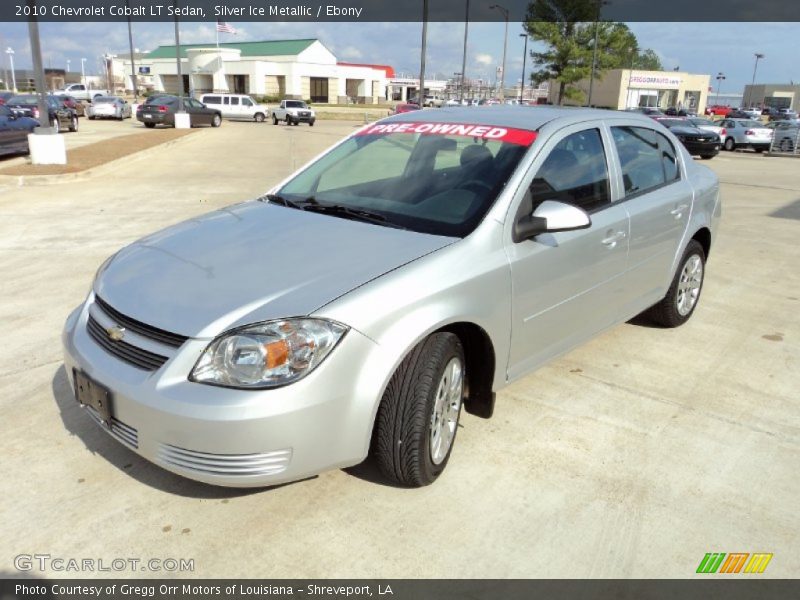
<point>710,48</point>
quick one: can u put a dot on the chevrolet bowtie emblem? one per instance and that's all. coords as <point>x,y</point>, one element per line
<point>115,333</point>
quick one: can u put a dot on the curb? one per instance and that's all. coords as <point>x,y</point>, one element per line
<point>101,169</point>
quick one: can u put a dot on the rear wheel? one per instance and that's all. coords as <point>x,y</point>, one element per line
<point>684,292</point>
<point>707,156</point>
<point>730,144</point>
<point>73,125</point>
<point>56,125</point>
<point>417,420</point>
<point>786,145</point>
<point>274,120</point>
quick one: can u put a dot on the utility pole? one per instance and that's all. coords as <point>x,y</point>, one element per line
<point>422,55</point>
<point>504,11</point>
<point>133,59</point>
<point>464,60</point>
<point>181,89</point>
<point>758,56</point>
<point>594,53</point>
<point>524,60</point>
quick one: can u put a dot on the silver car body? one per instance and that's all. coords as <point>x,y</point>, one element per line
<point>109,107</point>
<point>707,125</point>
<point>527,302</point>
<point>786,135</point>
<point>746,133</point>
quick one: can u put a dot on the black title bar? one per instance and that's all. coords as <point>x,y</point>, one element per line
<point>391,10</point>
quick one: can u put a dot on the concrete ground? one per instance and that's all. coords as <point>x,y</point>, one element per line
<point>632,456</point>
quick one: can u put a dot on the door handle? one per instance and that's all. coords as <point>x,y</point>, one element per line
<point>612,240</point>
<point>678,210</point>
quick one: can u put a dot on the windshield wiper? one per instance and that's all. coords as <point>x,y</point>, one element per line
<point>357,214</point>
<point>275,199</point>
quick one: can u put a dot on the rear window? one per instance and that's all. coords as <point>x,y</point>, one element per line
<point>103,100</point>
<point>749,124</point>
<point>23,99</point>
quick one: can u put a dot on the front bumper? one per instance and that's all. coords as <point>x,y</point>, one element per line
<point>301,118</point>
<point>701,148</point>
<point>229,437</point>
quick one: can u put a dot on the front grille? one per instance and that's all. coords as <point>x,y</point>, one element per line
<point>124,433</point>
<point>233,465</point>
<point>149,361</point>
<point>144,330</point>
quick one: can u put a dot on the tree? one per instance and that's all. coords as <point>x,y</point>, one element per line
<point>567,28</point>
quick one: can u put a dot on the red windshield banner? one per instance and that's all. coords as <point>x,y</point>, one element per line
<point>521,137</point>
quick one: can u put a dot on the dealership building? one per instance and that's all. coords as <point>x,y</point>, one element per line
<point>775,95</point>
<point>303,69</point>
<point>626,88</point>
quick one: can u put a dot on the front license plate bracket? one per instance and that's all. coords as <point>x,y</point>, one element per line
<point>90,393</point>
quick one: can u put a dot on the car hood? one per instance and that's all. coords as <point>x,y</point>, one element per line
<point>251,262</point>
<point>687,130</point>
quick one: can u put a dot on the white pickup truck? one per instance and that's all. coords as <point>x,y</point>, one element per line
<point>293,112</point>
<point>81,92</point>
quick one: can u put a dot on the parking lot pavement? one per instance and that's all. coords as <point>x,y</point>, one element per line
<point>631,456</point>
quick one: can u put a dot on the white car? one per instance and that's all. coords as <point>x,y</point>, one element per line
<point>293,112</point>
<point>108,107</point>
<point>236,106</point>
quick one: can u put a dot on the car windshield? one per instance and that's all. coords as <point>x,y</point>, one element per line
<point>103,100</point>
<point>295,104</point>
<point>675,123</point>
<point>436,183</point>
<point>23,99</point>
<point>703,123</point>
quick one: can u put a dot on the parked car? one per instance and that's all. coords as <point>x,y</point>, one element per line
<point>698,142</point>
<point>746,133</point>
<point>708,125</point>
<point>405,278</point>
<point>160,110</point>
<point>646,110</point>
<point>109,107</point>
<point>786,136</point>
<point>718,109</point>
<point>673,111</point>
<point>14,132</point>
<point>236,106</point>
<point>59,116</point>
<point>738,113</point>
<point>452,102</point>
<point>75,104</point>
<point>5,96</point>
<point>753,112</point>
<point>82,92</point>
<point>433,101</point>
<point>293,112</point>
<point>402,108</point>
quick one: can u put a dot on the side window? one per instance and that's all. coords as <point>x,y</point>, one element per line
<point>247,102</point>
<point>234,101</point>
<point>668,159</point>
<point>212,99</point>
<point>226,100</point>
<point>640,157</point>
<point>575,172</point>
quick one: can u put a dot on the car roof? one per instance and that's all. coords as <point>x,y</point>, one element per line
<point>519,117</point>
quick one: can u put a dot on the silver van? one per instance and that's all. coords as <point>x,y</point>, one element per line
<point>236,106</point>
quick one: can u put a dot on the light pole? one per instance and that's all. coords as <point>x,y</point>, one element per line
<point>464,60</point>
<point>758,56</point>
<point>83,72</point>
<point>10,53</point>
<point>524,60</point>
<point>421,94</point>
<point>720,77</point>
<point>504,11</point>
<point>133,58</point>
<point>594,51</point>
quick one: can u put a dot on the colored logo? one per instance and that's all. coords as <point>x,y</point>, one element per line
<point>735,562</point>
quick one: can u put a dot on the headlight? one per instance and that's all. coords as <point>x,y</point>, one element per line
<point>268,354</point>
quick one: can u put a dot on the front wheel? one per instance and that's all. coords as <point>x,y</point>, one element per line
<point>311,123</point>
<point>216,121</point>
<point>56,125</point>
<point>730,144</point>
<point>73,126</point>
<point>707,156</point>
<point>417,419</point>
<point>274,120</point>
<point>684,292</point>
<point>259,118</point>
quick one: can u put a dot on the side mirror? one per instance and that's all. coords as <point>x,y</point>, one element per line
<point>551,216</point>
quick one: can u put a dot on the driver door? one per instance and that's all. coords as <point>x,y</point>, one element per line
<point>567,286</point>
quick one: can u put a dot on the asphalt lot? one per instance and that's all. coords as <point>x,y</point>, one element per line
<point>632,456</point>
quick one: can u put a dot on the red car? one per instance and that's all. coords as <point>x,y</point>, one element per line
<point>718,109</point>
<point>5,96</point>
<point>403,108</point>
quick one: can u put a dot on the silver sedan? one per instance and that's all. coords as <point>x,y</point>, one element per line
<point>746,133</point>
<point>417,267</point>
<point>109,107</point>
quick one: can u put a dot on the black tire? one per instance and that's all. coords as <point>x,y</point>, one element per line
<point>288,120</point>
<point>311,123</point>
<point>666,312</point>
<point>56,125</point>
<point>259,118</point>
<point>707,156</point>
<point>73,125</point>
<point>216,121</point>
<point>760,150</point>
<point>730,145</point>
<point>91,118</point>
<point>274,120</point>
<point>402,444</point>
<point>149,125</point>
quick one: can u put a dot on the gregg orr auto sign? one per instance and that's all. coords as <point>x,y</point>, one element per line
<point>656,80</point>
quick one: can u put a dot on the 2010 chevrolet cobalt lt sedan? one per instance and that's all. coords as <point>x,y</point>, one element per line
<point>419,265</point>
